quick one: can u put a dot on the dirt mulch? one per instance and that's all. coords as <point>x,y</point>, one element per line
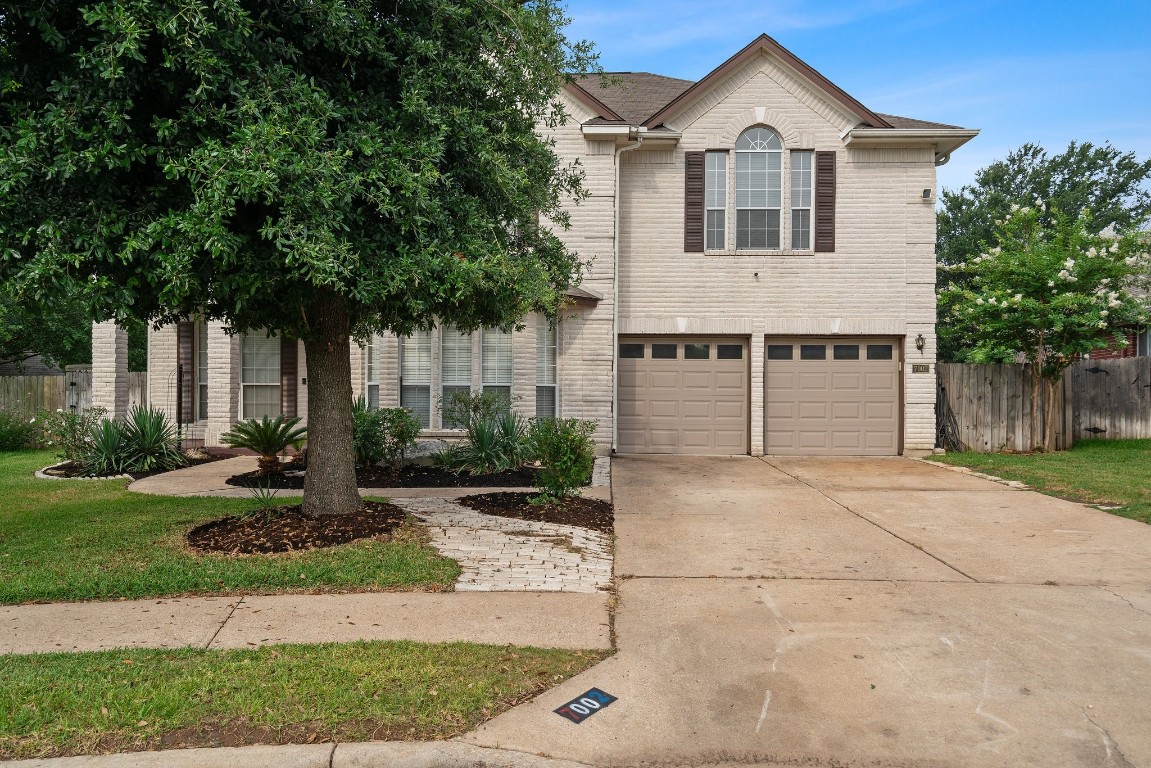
<point>408,476</point>
<point>288,529</point>
<point>72,470</point>
<point>574,510</point>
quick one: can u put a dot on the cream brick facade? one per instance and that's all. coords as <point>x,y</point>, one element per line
<point>879,281</point>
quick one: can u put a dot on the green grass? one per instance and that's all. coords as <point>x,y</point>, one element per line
<point>109,701</point>
<point>1109,472</point>
<point>93,540</point>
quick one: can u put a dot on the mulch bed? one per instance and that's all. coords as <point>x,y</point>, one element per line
<point>72,470</point>
<point>287,529</point>
<point>574,510</point>
<point>408,476</point>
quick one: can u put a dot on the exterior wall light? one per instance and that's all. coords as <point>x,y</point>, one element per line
<point>920,342</point>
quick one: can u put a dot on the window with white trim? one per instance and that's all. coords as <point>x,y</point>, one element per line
<point>715,201</point>
<point>201,371</point>
<point>259,376</point>
<point>416,375</point>
<point>547,354</point>
<point>372,372</point>
<point>455,367</point>
<point>496,361</point>
<point>758,190</point>
<point>801,186</point>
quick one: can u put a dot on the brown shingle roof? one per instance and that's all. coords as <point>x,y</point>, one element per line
<point>910,122</point>
<point>634,96</point>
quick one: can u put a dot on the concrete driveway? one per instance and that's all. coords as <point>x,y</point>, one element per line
<point>859,612</point>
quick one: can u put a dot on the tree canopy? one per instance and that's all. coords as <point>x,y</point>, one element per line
<point>322,169</point>
<point>1106,185</point>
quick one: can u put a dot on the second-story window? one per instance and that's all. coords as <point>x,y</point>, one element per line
<point>801,185</point>
<point>715,201</point>
<point>758,189</point>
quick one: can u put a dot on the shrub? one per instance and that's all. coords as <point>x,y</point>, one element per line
<point>106,451</point>
<point>69,433</point>
<point>447,456</point>
<point>150,441</point>
<point>565,449</point>
<point>16,432</point>
<point>461,410</point>
<point>267,437</point>
<point>495,443</point>
<point>383,434</point>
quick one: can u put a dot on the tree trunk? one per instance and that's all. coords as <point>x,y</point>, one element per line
<point>1049,415</point>
<point>1036,406</point>
<point>330,482</point>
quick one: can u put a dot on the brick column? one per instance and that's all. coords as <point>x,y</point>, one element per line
<point>223,382</point>
<point>110,369</point>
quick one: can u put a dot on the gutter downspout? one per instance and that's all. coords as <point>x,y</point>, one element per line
<point>615,295</point>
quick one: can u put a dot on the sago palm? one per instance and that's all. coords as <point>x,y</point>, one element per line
<point>267,437</point>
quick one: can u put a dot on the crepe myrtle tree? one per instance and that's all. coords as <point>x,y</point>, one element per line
<point>319,169</point>
<point>1049,293</point>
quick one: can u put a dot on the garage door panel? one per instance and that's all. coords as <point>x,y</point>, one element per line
<point>831,406</point>
<point>683,405</point>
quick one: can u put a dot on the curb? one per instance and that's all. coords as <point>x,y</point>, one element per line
<point>380,754</point>
<point>40,474</point>
<point>1015,484</point>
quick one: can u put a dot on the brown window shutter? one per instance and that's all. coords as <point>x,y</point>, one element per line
<point>185,356</point>
<point>825,202</point>
<point>289,376</point>
<point>693,203</point>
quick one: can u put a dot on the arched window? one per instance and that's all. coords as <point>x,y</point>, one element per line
<point>758,189</point>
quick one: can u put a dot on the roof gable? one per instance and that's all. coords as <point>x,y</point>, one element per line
<point>629,97</point>
<point>762,44</point>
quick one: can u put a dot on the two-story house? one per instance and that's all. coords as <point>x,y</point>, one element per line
<point>762,280</point>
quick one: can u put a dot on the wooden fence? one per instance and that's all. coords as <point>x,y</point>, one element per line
<point>988,407</point>
<point>26,395</point>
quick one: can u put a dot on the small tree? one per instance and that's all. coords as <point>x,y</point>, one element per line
<point>1051,294</point>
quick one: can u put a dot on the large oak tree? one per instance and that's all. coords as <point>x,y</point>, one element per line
<point>322,169</point>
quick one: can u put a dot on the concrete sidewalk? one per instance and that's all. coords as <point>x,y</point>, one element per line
<point>545,620</point>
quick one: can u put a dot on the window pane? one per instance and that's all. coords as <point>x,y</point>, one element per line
<point>260,401</point>
<point>455,358</point>
<point>846,351</point>
<point>812,352</point>
<point>417,398</point>
<point>373,395</point>
<point>772,233</point>
<point>696,351</point>
<point>416,358</point>
<point>715,233</point>
<point>729,352</point>
<point>546,401</point>
<point>663,351</point>
<point>878,351</point>
<point>260,359</point>
<point>801,179</point>
<point>801,230</point>
<point>778,351</point>
<point>505,392</point>
<point>631,351</point>
<point>758,139</point>
<point>751,229</point>
<point>715,180</point>
<point>547,350</point>
<point>202,370</point>
<point>496,357</point>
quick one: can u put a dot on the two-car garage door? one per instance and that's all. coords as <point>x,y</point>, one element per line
<point>821,396</point>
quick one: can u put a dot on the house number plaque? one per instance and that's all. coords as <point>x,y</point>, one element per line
<point>920,368</point>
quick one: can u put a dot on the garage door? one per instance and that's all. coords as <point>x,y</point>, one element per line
<point>835,396</point>
<point>682,395</point>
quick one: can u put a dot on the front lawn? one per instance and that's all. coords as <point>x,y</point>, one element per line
<point>114,701</point>
<point>93,540</point>
<point>1107,472</point>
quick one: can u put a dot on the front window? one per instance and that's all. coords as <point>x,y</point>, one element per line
<point>259,376</point>
<point>496,361</point>
<point>372,372</point>
<point>758,189</point>
<point>801,164</point>
<point>547,353</point>
<point>201,371</point>
<point>455,367</point>
<point>715,201</point>
<point>416,375</point>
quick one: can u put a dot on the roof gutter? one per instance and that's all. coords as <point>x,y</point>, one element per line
<point>615,293</point>
<point>944,140</point>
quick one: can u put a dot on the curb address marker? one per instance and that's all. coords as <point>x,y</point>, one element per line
<point>584,706</point>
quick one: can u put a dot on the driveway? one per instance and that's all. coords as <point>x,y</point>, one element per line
<point>859,612</point>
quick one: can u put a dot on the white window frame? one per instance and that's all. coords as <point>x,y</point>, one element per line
<point>746,191</point>
<point>461,347</point>
<point>494,342</point>
<point>201,348</point>
<point>412,356</point>
<point>547,363</point>
<point>802,198</point>
<point>715,201</point>
<point>372,354</point>
<point>246,386</point>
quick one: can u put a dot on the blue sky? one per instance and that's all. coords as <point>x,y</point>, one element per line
<point>1045,72</point>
